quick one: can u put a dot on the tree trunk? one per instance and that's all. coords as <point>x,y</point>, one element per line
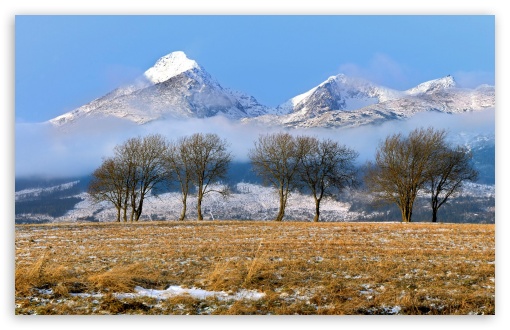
<point>118,214</point>
<point>183,211</point>
<point>406,213</point>
<point>435,208</point>
<point>133,211</point>
<point>199,205</point>
<point>281,213</point>
<point>133,208</point>
<point>283,202</point>
<point>317,209</point>
<point>124,209</point>
<point>139,209</point>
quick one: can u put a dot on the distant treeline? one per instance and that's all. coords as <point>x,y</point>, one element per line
<point>52,206</point>
<point>44,183</point>
<point>462,209</point>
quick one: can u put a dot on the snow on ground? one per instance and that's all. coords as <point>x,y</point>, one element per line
<point>173,291</point>
<point>176,290</point>
<point>478,190</point>
<point>170,66</point>
<point>247,202</point>
<point>34,192</point>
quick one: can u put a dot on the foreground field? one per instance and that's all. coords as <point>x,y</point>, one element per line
<point>242,267</point>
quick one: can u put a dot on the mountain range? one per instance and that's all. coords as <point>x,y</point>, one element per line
<point>178,87</point>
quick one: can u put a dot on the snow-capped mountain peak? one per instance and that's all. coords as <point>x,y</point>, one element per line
<point>178,87</point>
<point>344,101</point>
<point>175,87</point>
<point>338,92</point>
<point>170,66</point>
<point>432,86</point>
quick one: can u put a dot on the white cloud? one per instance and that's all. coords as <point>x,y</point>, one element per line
<point>473,79</point>
<point>44,150</point>
<point>382,70</point>
<point>385,71</point>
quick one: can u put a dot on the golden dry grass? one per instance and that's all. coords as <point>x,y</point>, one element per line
<point>303,268</point>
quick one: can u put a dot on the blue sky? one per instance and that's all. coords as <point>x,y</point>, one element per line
<point>63,62</point>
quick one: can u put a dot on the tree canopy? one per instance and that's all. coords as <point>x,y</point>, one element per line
<point>406,165</point>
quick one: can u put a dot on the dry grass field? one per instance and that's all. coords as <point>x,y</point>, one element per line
<point>247,267</point>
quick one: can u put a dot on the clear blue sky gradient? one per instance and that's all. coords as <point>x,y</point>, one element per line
<point>63,62</point>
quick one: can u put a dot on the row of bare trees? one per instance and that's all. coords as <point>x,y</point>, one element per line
<point>139,165</point>
<point>126,178</point>
<point>198,160</point>
<point>404,166</point>
<point>288,163</point>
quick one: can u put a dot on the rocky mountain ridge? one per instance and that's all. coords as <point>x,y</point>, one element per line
<point>175,87</point>
<point>178,87</point>
<point>349,102</point>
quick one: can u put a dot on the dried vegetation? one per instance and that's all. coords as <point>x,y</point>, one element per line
<point>302,268</point>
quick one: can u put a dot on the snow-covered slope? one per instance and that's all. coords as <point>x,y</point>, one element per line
<point>178,87</point>
<point>33,193</point>
<point>338,93</point>
<point>250,105</point>
<point>175,87</point>
<point>433,86</point>
<point>342,101</point>
<point>170,66</point>
<point>252,202</point>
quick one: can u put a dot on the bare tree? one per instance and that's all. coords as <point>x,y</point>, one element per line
<point>179,169</point>
<point>276,159</point>
<point>107,185</point>
<point>326,166</point>
<point>401,167</point>
<point>151,168</point>
<point>450,168</point>
<point>208,160</point>
<point>134,171</point>
<point>127,159</point>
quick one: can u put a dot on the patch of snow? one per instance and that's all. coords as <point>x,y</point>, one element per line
<point>247,201</point>
<point>170,66</point>
<point>433,86</point>
<point>297,99</point>
<point>478,190</point>
<point>45,291</point>
<point>392,310</point>
<point>86,295</point>
<point>176,290</point>
<point>34,192</point>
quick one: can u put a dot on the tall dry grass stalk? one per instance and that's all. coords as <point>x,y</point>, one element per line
<point>118,278</point>
<point>253,265</point>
